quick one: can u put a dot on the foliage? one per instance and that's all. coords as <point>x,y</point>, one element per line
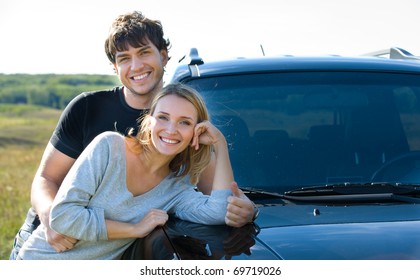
<point>50,90</point>
<point>24,133</point>
<point>30,106</point>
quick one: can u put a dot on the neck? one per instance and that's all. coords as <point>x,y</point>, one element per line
<point>155,163</point>
<point>136,100</point>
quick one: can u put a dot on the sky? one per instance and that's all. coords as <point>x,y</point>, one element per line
<point>67,36</point>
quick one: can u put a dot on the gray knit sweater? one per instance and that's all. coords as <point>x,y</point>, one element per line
<point>95,189</point>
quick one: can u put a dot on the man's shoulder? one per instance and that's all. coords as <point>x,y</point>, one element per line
<point>110,92</point>
<point>94,98</point>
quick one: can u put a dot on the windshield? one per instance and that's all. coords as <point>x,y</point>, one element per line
<point>292,130</point>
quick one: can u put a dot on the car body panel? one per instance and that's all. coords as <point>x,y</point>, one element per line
<point>346,241</point>
<point>351,232</point>
<point>289,64</point>
<point>297,215</point>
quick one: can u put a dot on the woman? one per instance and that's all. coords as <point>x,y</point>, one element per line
<point>121,188</point>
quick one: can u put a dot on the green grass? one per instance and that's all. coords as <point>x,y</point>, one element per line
<point>24,133</point>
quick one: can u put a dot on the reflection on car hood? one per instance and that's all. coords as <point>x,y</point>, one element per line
<point>293,232</point>
<point>353,232</point>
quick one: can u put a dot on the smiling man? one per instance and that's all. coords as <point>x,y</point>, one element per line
<point>137,49</point>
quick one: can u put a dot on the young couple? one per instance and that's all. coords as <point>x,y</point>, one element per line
<point>151,164</point>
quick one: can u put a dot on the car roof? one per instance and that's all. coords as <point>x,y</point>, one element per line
<point>196,67</point>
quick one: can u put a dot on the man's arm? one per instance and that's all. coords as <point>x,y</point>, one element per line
<point>51,172</point>
<point>240,209</point>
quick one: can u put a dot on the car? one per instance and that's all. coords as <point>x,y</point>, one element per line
<point>327,147</point>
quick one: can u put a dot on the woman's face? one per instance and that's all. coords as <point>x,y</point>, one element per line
<point>172,124</point>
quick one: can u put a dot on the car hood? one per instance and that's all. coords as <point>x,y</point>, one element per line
<point>293,232</point>
<point>308,232</point>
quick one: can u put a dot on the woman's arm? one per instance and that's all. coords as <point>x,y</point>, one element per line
<point>72,213</point>
<point>240,209</point>
<point>151,220</point>
<point>208,209</point>
<point>207,134</point>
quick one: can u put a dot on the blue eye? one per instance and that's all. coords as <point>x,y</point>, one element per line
<point>185,123</point>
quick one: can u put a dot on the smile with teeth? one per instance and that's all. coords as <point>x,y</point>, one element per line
<point>142,76</point>
<point>169,141</point>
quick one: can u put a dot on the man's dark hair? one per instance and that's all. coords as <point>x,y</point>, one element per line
<point>134,29</point>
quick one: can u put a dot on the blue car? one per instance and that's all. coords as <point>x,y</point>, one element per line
<point>328,148</point>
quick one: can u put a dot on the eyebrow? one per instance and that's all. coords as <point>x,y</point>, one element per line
<point>182,117</point>
<point>139,49</point>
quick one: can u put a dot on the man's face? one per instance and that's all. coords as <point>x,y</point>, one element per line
<point>141,69</point>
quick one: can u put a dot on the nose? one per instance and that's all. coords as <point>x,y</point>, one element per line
<point>136,63</point>
<point>171,127</point>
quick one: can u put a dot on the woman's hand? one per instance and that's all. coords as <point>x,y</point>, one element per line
<point>154,218</point>
<point>205,133</point>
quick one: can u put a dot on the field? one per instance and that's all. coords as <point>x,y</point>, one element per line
<point>24,133</point>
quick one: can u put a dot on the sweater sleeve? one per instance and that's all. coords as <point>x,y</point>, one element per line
<point>196,207</point>
<point>71,213</point>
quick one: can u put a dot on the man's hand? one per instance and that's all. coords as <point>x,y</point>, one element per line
<point>60,242</point>
<point>240,210</point>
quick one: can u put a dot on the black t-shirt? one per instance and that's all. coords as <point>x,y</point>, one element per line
<point>89,114</point>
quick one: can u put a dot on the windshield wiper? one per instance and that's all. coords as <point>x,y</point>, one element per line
<point>357,192</point>
<point>260,194</point>
<point>352,188</point>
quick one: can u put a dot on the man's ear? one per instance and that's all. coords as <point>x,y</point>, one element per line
<point>164,56</point>
<point>114,65</point>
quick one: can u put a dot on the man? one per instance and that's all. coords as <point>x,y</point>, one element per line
<point>139,53</point>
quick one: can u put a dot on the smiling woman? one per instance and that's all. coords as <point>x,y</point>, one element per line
<point>172,133</point>
<point>175,121</point>
<point>147,178</point>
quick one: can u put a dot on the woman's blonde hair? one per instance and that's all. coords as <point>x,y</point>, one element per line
<point>190,161</point>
